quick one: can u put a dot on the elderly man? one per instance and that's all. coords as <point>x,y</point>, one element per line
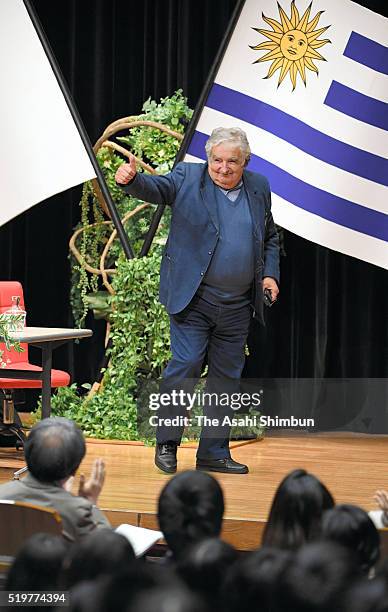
<point>53,452</point>
<point>222,253</point>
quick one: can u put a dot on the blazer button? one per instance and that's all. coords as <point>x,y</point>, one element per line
<point>201,273</point>
<point>210,252</point>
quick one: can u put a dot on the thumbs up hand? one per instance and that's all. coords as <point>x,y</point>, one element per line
<point>126,172</point>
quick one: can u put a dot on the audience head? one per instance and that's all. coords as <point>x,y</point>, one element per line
<point>367,596</point>
<point>121,589</point>
<point>162,599</point>
<point>86,596</point>
<point>101,552</point>
<point>382,567</point>
<point>351,526</point>
<point>204,565</point>
<point>296,511</point>
<point>253,580</point>
<point>54,449</point>
<point>38,564</point>
<point>191,507</point>
<point>317,578</point>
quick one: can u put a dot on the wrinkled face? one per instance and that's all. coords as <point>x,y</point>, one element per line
<point>226,165</point>
<point>294,44</point>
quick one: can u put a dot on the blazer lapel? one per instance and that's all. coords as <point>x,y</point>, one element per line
<point>255,210</point>
<point>207,193</point>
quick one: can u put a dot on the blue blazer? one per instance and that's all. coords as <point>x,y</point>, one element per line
<point>194,231</point>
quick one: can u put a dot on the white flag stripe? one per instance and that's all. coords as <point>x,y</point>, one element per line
<point>41,150</point>
<point>192,158</point>
<point>305,167</point>
<point>362,79</point>
<point>329,234</point>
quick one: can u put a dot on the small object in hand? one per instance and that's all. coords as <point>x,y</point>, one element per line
<point>267,298</point>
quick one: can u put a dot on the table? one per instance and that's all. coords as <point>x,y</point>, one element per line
<point>47,339</point>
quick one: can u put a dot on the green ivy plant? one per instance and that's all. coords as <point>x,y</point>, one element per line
<point>140,350</point>
<point>154,146</point>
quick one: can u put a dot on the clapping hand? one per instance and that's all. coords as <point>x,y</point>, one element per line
<point>126,172</point>
<point>381,497</point>
<point>91,488</point>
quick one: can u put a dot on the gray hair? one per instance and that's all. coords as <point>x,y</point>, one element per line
<point>232,135</point>
<point>54,449</point>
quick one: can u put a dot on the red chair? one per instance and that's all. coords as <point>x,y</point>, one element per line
<point>19,361</point>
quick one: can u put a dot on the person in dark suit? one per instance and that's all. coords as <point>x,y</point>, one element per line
<point>221,254</point>
<point>53,452</point>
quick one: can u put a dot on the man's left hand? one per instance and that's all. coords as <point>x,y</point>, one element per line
<point>271,284</point>
<point>91,488</point>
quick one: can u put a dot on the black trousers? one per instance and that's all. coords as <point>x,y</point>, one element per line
<point>219,332</point>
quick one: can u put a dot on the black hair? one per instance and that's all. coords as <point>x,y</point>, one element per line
<point>317,578</point>
<point>254,579</point>
<point>38,564</point>
<point>367,596</point>
<point>204,565</point>
<point>101,552</point>
<point>86,596</point>
<point>191,507</point>
<point>351,526</point>
<point>54,449</point>
<point>296,511</point>
<point>163,599</point>
<point>119,590</point>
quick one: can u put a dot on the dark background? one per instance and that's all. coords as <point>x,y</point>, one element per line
<point>331,320</point>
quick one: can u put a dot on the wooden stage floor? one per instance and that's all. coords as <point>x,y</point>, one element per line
<point>352,467</point>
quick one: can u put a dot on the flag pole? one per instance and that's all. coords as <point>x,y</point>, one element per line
<point>195,118</point>
<point>81,129</point>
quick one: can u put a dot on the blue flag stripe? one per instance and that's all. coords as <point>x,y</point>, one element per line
<point>296,132</point>
<point>309,198</point>
<point>367,52</point>
<point>357,105</point>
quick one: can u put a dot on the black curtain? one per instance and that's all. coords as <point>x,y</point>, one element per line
<point>331,320</point>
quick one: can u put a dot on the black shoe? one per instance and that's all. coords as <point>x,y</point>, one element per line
<point>165,457</point>
<point>227,466</point>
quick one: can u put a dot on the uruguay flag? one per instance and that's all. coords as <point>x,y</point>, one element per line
<point>308,83</point>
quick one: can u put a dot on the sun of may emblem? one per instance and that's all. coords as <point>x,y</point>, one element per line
<point>292,44</point>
